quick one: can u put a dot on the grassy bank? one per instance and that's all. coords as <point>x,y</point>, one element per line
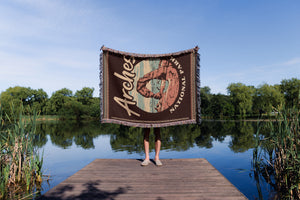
<point>20,162</point>
<point>47,118</point>
<point>41,118</point>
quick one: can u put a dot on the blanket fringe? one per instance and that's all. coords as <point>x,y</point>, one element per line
<point>148,125</point>
<point>198,89</point>
<point>101,85</point>
<point>195,49</point>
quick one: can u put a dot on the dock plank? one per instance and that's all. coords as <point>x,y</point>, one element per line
<point>125,179</point>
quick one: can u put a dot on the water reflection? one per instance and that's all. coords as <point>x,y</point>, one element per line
<point>64,133</point>
<point>242,137</point>
<point>122,138</point>
<point>237,138</point>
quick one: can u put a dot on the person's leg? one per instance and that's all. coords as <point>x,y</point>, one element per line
<point>157,142</point>
<point>146,142</point>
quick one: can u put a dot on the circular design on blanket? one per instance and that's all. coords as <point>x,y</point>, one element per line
<point>156,85</point>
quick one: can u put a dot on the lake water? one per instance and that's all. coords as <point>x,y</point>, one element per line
<point>227,145</point>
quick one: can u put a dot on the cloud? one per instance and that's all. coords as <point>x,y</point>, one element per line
<point>49,23</point>
<point>40,46</point>
<point>292,62</point>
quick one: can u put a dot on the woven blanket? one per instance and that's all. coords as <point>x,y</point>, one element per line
<point>150,90</point>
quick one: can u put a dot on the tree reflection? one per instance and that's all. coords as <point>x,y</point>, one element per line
<point>130,139</point>
<point>179,138</point>
<point>64,133</point>
<point>242,137</point>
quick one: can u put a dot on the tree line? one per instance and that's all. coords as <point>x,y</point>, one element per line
<point>245,101</point>
<point>62,103</point>
<point>242,101</point>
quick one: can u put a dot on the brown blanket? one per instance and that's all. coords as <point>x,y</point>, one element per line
<point>150,90</point>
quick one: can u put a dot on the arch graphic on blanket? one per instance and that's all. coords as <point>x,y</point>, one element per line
<point>156,85</point>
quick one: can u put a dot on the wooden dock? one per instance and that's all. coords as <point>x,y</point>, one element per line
<point>126,179</point>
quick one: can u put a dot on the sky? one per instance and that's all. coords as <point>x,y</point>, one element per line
<point>51,44</point>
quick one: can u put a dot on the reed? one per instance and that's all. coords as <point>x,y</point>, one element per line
<point>277,156</point>
<point>21,164</point>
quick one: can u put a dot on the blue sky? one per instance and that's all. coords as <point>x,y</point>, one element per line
<point>53,44</point>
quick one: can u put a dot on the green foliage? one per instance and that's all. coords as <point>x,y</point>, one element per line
<point>242,101</point>
<point>22,96</point>
<point>94,109</point>
<point>39,101</point>
<point>277,157</point>
<point>291,90</point>
<point>72,109</point>
<point>79,106</point>
<point>58,99</point>
<point>266,98</point>
<point>241,97</point>
<point>247,101</point>
<point>221,107</point>
<point>20,163</point>
<point>205,100</point>
<point>85,96</point>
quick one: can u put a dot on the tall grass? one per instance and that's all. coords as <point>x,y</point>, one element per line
<point>20,162</point>
<point>277,157</point>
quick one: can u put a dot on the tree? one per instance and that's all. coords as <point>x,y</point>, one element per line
<point>220,106</point>
<point>291,90</point>
<point>205,100</point>
<point>57,100</point>
<point>39,100</point>
<point>85,95</point>
<point>93,110</point>
<point>15,96</point>
<point>241,97</point>
<point>266,97</point>
<point>72,109</point>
